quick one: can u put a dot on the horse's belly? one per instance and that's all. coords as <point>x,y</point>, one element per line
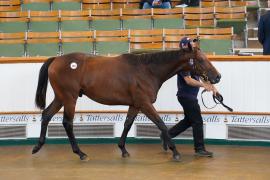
<point>109,97</point>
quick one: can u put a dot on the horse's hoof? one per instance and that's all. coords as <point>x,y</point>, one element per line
<point>84,158</point>
<point>165,147</point>
<point>163,143</point>
<point>35,149</point>
<point>125,155</point>
<point>177,157</point>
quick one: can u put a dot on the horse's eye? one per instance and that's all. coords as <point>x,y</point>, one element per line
<point>200,60</point>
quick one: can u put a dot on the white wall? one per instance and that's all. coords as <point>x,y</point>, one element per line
<point>244,85</point>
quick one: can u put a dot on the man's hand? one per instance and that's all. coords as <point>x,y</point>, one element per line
<point>210,87</point>
<point>215,91</point>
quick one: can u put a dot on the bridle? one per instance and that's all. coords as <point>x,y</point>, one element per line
<point>218,99</point>
<point>195,68</point>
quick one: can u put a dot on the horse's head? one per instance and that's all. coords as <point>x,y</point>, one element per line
<point>200,65</point>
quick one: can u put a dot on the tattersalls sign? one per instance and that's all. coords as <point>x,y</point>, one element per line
<point>141,118</point>
<point>215,124</point>
<point>249,119</point>
<point>16,118</point>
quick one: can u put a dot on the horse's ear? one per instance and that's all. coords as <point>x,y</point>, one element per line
<point>196,42</point>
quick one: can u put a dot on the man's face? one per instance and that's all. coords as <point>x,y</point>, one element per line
<point>184,46</point>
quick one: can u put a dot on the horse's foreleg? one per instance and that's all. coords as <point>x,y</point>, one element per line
<point>131,115</point>
<point>47,115</point>
<point>69,111</point>
<point>152,114</point>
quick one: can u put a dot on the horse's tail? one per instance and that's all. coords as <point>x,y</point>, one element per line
<point>42,84</point>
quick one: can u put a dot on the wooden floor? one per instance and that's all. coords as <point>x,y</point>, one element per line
<point>147,162</point>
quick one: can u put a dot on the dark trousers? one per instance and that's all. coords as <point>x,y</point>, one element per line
<point>192,119</point>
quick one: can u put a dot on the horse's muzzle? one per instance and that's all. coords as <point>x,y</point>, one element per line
<point>218,78</point>
<point>215,81</point>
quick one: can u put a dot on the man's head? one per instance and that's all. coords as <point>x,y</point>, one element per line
<point>187,43</point>
<point>198,61</point>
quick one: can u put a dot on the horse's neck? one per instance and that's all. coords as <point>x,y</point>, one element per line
<point>167,70</point>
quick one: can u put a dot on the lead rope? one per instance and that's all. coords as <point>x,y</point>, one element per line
<point>204,103</point>
<point>218,99</point>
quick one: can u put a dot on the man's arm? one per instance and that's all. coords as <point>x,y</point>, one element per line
<point>193,82</point>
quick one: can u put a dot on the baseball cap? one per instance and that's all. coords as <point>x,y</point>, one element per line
<point>184,42</point>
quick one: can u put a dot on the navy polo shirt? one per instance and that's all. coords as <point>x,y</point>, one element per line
<point>185,90</point>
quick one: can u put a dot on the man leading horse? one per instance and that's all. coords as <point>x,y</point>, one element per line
<point>135,80</point>
<point>188,85</point>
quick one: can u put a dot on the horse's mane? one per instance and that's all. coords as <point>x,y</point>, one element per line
<point>157,57</point>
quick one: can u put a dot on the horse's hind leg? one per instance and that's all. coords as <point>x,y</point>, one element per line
<point>69,111</point>
<point>131,115</point>
<point>47,115</point>
<point>152,114</point>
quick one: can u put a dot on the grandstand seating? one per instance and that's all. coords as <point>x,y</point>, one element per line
<point>127,19</point>
<point>12,44</point>
<point>214,4</point>
<point>71,5</point>
<point>111,42</point>
<point>137,18</point>
<point>44,21</point>
<point>251,4</point>
<point>13,21</point>
<point>199,20</point>
<point>105,19</point>
<point>36,5</point>
<point>72,16</point>
<point>130,4</point>
<point>10,5</point>
<point>119,4</point>
<point>96,4</point>
<point>199,17</point>
<point>235,17</point>
<point>74,20</point>
<point>168,18</point>
<point>42,44</point>
<point>78,41</point>
<point>218,40</point>
<point>133,4</point>
<point>146,40</point>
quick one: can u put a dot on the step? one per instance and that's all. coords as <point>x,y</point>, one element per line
<point>253,43</point>
<point>252,32</point>
<point>250,51</point>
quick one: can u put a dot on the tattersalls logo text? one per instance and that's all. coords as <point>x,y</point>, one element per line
<point>14,118</point>
<point>250,119</point>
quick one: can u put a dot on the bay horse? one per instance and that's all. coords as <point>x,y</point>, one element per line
<point>129,79</point>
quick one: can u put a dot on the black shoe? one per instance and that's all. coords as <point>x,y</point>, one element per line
<point>203,153</point>
<point>163,143</point>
